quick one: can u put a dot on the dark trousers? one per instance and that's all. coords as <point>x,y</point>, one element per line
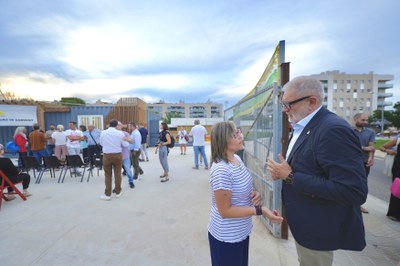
<point>25,178</point>
<point>135,163</point>
<point>229,254</point>
<point>50,149</point>
<point>85,155</point>
<point>20,156</point>
<point>110,161</point>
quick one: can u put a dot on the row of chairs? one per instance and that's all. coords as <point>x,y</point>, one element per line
<point>51,163</point>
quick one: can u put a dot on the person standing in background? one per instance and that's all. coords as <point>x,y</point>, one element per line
<point>93,135</point>
<point>135,149</point>
<point>198,132</point>
<point>126,155</point>
<point>183,140</point>
<point>21,141</point>
<point>60,141</point>
<point>38,143</point>
<point>367,140</point>
<point>74,137</point>
<point>50,141</point>
<point>112,140</point>
<point>84,144</point>
<point>164,139</point>
<point>144,133</point>
<point>393,148</point>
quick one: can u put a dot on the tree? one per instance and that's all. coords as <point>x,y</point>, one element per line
<point>169,115</point>
<point>376,117</point>
<point>72,101</point>
<point>396,115</point>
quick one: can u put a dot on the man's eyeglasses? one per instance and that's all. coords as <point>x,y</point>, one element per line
<point>288,105</point>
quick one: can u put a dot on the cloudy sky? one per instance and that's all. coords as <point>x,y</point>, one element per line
<point>187,50</point>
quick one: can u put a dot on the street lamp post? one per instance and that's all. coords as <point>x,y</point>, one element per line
<point>382,117</point>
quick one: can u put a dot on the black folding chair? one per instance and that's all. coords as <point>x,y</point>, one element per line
<point>73,162</point>
<point>30,163</point>
<point>96,161</point>
<point>50,163</point>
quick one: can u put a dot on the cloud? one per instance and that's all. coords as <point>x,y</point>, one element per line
<point>192,50</point>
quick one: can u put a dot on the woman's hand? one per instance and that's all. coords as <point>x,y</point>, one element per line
<point>255,198</point>
<point>274,216</point>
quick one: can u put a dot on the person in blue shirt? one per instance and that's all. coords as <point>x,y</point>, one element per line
<point>135,149</point>
<point>92,135</point>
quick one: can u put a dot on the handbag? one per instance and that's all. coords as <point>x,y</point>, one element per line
<point>99,147</point>
<point>186,137</point>
<point>395,187</point>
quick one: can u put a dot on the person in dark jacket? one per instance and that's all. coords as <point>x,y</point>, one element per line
<point>324,180</point>
<point>9,169</point>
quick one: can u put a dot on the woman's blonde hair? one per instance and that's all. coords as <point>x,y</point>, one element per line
<point>60,128</point>
<point>20,130</point>
<point>221,133</point>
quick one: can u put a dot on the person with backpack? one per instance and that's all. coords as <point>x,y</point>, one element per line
<point>164,141</point>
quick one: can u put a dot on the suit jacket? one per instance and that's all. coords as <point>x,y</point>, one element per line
<point>330,184</point>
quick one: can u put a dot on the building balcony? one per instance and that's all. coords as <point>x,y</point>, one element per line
<point>383,85</point>
<point>380,104</point>
<point>385,95</point>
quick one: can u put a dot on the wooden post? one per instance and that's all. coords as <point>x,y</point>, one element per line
<point>285,138</point>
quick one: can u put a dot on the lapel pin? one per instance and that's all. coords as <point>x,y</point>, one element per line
<point>308,132</point>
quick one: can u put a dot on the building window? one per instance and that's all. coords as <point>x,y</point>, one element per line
<point>348,87</point>
<point>355,95</point>
<point>96,120</point>
<point>362,85</point>
<point>335,85</point>
<point>347,112</point>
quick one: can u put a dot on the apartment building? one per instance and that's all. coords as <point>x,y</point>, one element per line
<point>188,110</point>
<point>348,94</point>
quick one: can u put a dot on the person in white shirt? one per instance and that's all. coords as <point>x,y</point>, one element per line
<point>112,141</point>
<point>198,132</point>
<point>74,137</point>
<point>183,140</point>
<point>60,141</point>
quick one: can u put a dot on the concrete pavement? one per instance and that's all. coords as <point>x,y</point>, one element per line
<point>154,224</point>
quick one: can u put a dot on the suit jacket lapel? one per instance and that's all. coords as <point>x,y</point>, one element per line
<point>307,131</point>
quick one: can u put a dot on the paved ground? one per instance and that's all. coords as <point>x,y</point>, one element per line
<point>378,183</point>
<point>153,224</point>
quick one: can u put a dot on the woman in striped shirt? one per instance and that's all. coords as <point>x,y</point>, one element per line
<point>234,200</point>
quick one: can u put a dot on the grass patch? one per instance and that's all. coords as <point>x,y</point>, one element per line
<point>380,142</point>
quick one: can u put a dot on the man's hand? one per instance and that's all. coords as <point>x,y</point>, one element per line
<point>256,198</point>
<point>370,162</point>
<point>279,170</point>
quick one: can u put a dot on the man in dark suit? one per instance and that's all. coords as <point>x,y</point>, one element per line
<point>324,181</point>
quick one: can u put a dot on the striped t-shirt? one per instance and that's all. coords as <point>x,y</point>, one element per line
<point>238,180</point>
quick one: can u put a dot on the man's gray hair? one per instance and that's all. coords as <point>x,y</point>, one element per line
<point>306,86</point>
<point>197,122</point>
